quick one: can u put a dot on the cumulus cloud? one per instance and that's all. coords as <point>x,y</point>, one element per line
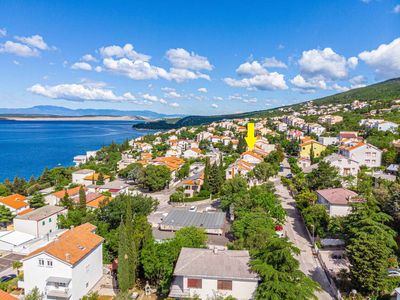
<point>172,94</point>
<point>202,90</point>
<point>358,81</point>
<point>326,63</point>
<point>270,81</point>
<point>251,68</point>
<point>311,84</point>
<point>174,104</point>
<point>214,105</point>
<point>125,51</point>
<point>81,66</point>
<point>78,92</point>
<point>163,101</point>
<point>181,75</point>
<point>149,97</point>
<point>35,41</point>
<point>18,49</point>
<point>272,62</point>
<point>3,32</point>
<point>183,59</point>
<point>385,59</point>
<point>88,57</point>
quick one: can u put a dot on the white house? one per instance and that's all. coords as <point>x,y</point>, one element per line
<point>115,187</point>
<point>238,168</point>
<point>39,222</point>
<point>345,166</point>
<point>16,203</point>
<point>328,140</point>
<point>211,273</point>
<point>336,200</point>
<point>365,154</point>
<point>78,177</point>
<point>192,153</point>
<point>251,157</point>
<point>66,268</point>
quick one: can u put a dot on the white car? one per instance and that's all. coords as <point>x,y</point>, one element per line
<point>193,208</point>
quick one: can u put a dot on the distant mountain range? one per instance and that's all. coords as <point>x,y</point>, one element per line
<point>49,110</point>
<point>386,90</point>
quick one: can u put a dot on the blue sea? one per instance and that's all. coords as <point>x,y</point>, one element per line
<point>27,147</point>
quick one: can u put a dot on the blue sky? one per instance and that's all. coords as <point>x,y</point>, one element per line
<point>193,57</point>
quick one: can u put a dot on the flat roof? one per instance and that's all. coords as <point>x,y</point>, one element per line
<point>41,213</point>
<point>185,218</point>
<point>16,238</point>
<point>220,264</point>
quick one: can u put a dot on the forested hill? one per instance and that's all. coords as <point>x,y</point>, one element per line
<point>387,90</point>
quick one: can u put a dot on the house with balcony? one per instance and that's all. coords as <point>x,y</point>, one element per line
<point>363,153</point>
<point>212,273</point>
<point>67,268</point>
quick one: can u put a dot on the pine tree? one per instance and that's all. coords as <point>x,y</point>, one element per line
<point>37,201</point>
<point>100,179</point>
<point>82,198</point>
<point>123,266</point>
<point>5,215</point>
<point>312,155</point>
<point>206,184</point>
<point>66,201</point>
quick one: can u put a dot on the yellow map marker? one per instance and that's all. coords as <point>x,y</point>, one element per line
<point>250,139</point>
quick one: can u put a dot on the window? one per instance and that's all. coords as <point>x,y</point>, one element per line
<point>224,285</point>
<point>50,220</point>
<point>43,222</point>
<point>41,262</point>
<point>373,154</point>
<point>194,283</point>
<point>49,263</point>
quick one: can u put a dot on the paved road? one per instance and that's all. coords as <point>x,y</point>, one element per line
<point>296,232</point>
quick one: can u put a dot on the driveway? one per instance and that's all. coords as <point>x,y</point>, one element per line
<point>296,232</point>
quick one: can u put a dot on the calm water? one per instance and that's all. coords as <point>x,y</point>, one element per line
<point>27,147</point>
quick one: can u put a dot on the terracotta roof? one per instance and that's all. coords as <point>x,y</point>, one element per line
<point>6,296</point>
<point>355,146</point>
<point>196,150</point>
<point>15,201</point>
<point>71,192</point>
<point>26,211</point>
<point>73,245</point>
<point>96,202</point>
<point>95,177</point>
<point>338,196</point>
<point>252,154</point>
<point>173,163</point>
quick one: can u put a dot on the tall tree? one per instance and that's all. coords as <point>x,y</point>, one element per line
<point>325,176</point>
<point>132,249</point>
<point>82,198</point>
<point>123,262</point>
<point>5,215</point>
<point>37,200</point>
<point>206,181</point>
<point>66,201</point>
<point>100,179</point>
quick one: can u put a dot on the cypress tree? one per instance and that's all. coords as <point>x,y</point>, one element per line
<point>206,183</point>
<point>100,179</point>
<point>132,250</point>
<point>82,198</point>
<point>123,265</point>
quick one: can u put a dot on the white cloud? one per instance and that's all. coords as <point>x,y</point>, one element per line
<point>251,68</point>
<point>218,98</point>
<point>126,51</point>
<point>181,75</point>
<point>326,63</point>
<point>202,90</point>
<point>78,92</point>
<point>270,81</point>
<point>98,69</point>
<point>396,9</point>
<point>3,32</point>
<point>35,41</point>
<point>81,66</point>
<point>302,83</point>
<point>385,59</point>
<point>340,88</point>
<point>174,104</point>
<point>214,105</point>
<point>88,57</point>
<point>272,62</point>
<point>150,97</point>
<point>16,62</point>
<point>172,94</point>
<point>163,101</point>
<point>18,49</point>
<point>182,59</point>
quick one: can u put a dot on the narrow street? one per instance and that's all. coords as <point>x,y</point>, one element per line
<point>296,232</point>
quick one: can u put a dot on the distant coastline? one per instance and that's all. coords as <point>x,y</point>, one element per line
<point>69,118</point>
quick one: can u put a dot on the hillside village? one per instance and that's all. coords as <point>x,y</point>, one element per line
<point>312,208</point>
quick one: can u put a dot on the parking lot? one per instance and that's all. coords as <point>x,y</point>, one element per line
<point>7,260</point>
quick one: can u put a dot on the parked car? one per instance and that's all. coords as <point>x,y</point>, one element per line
<point>7,277</point>
<point>193,208</point>
<point>289,176</point>
<point>393,272</point>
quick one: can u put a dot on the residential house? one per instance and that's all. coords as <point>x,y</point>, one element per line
<point>330,119</point>
<point>345,166</point>
<point>192,185</point>
<point>56,197</point>
<point>78,177</point>
<point>6,296</point>
<point>328,140</point>
<point>251,157</point>
<point>294,134</point>
<point>364,154</point>
<point>93,178</point>
<point>39,222</point>
<point>211,273</point>
<point>67,268</point>
<point>337,200</point>
<point>238,168</point>
<point>16,203</point>
<point>311,146</point>
<point>172,163</point>
<point>281,127</point>
<point>115,188</point>
<point>315,128</point>
<point>192,153</point>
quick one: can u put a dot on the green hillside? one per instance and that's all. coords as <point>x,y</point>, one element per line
<point>387,90</point>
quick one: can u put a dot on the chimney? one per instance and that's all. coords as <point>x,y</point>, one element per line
<point>67,257</point>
